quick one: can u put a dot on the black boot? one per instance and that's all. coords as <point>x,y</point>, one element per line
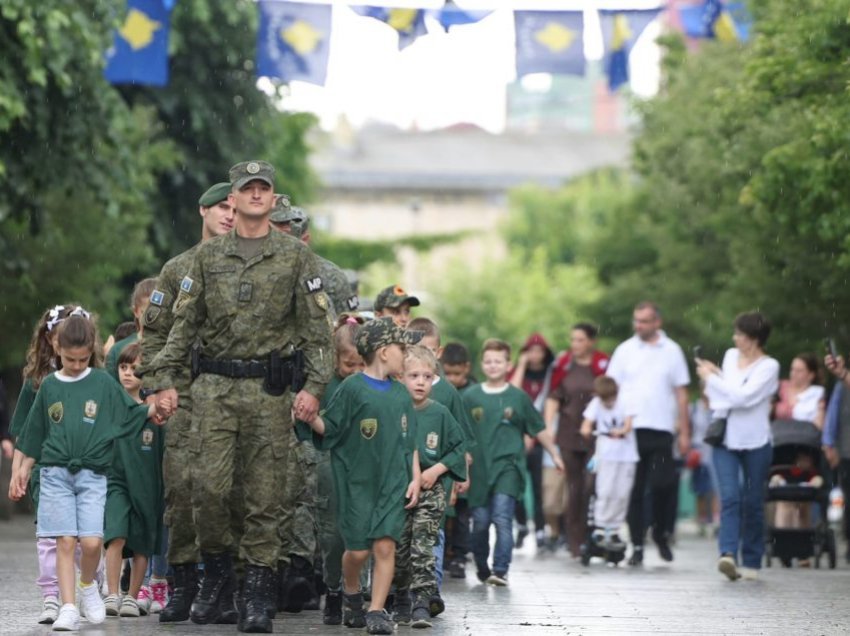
<point>260,591</point>
<point>282,569</point>
<point>227,602</point>
<point>333,608</point>
<point>216,591</point>
<point>185,588</point>
<point>298,584</point>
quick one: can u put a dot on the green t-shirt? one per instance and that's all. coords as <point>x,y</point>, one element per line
<point>439,439</point>
<point>22,408</point>
<point>499,421</point>
<point>371,435</point>
<point>111,363</point>
<point>74,423</point>
<point>444,393</point>
<point>330,390</point>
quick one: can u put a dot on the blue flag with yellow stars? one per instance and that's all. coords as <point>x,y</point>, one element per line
<point>713,19</point>
<point>408,23</point>
<point>452,15</point>
<point>549,42</point>
<point>139,52</point>
<point>293,41</point>
<point>620,31</point>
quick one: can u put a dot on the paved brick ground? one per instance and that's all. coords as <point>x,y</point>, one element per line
<point>549,594</point>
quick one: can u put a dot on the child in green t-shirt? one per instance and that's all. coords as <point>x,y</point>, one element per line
<point>370,428</point>
<point>134,501</point>
<point>440,443</point>
<point>70,430</point>
<point>501,414</point>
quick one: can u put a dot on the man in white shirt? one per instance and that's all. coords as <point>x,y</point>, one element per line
<point>653,377</point>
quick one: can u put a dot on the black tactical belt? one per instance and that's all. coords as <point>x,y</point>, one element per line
<point>233,368</point>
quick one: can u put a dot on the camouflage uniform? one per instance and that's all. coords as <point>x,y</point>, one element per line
<point>243,311</point>
<point>415,561</point>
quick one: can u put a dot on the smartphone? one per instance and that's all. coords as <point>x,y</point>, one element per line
<point>829,343</point>
<point>697,350</point>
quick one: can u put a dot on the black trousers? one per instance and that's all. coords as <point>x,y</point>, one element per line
<point>655,476</point>
<point>534,462</point>
<point>459,539</point>
<point>844,482</point>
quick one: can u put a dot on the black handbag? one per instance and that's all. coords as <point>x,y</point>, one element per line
<point>715,434</point>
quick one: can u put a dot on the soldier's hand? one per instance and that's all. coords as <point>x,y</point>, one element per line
<point>166,403</point>
<point>306,406</point>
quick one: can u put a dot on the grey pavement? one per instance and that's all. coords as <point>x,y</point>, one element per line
<point>548,594</point>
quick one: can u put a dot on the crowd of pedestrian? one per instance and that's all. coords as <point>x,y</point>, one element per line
<point>255,444</point>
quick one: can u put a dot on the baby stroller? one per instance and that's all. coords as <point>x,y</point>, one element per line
<point>797,476</point>
<point>594,544</point>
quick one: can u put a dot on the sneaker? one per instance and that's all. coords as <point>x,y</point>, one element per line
<point>68,619</point>
<point>484,574</point>
<point>144,599</point>
<point>436,605</point>
<point>159,592</point>
<point>664,550</point>
<point>379,622</point>
<point>637,556</point>
<point>403,608</point>
<point>540,537</point>
<point>457,569</point>
<point>726,565</point>
<point>130,608</point>
<point>112,603</point>
<point>91,603</point>
<point>421,618</point>
<point>521,534</point>
<point>499,580</point>
<point>49,610</point>
<point>749,574</point>
<point>615,543</point>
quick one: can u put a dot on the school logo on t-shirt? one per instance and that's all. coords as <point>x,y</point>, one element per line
<point>508,413</point>
<point>404,423</point>
<point>478,413</point>
<point>90,411</point>
<point>432,441</point>
<point>55,412</point>
<point>368,428</point>
<point>147,439</point>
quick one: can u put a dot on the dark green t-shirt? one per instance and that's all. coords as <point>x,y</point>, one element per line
<point>444,393</point>
<point>74,423</point>
<point>111,363</point>
<point>371,434</point>
<point>439,439</point>
<point>22,408</point>
<point>499,422</point>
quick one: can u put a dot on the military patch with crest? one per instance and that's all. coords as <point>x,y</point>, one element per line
<point>55,412</point>
<point>368,428</point>
<point>157,297</point>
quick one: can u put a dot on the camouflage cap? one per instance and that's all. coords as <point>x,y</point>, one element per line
<point>283,212</point>
<point>382,332</point>
<point>300,222</point>
<point>216,194</point>
<point>393,297</point>
<point>247,171</point>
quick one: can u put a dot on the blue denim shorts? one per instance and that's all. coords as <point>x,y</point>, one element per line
<point>70,505</point>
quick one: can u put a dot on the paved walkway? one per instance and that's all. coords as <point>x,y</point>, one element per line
<point>549,594</point>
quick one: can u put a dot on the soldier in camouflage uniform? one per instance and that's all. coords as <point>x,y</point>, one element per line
<point>255,301</point>
<point>183,555</point>
<point>298,523</point>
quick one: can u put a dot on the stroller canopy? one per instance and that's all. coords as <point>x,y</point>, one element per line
<point>796,433</point>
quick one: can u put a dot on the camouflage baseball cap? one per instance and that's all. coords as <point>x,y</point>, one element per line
<point>300,221</point>
<point>283,212</point>
<point>382,332</point>
<point>393,297</point>
<point>215,194</point>
<point>247,171</point>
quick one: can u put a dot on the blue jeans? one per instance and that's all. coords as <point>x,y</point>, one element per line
<point>741,480</point>
<point>439,553</point>
<point>499,512</point>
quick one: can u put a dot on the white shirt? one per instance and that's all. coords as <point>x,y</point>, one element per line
<point>746,395</point>
<point>808,403</point>
<point>611,449</point>
<point>648,375</point>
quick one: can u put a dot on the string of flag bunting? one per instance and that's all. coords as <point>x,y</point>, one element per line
<point>294,38</point>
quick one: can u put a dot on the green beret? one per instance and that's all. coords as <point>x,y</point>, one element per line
<point>215,194</point>
<point>244,173</point>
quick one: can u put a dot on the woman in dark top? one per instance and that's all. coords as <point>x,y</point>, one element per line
<point>572,389</point>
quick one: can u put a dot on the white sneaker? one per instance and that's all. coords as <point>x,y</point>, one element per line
<point>91,603</point>
<point>726,565</point>
<point>68,619</point>
<point>129,608</point>
<point>159,592</point>
<point>112,603</point>
<point>749,574</point>
<point>143,599</point>
<point>49,610</point>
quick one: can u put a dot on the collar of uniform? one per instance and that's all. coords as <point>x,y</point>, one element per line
<point>230,243</point>
<point>232,249</point>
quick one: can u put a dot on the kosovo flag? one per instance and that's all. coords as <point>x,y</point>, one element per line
<point>549,42</point>
<point>408,23</point>
<point>293,41</point>
<point>139,52</point>
<point>620,31</point>
<point>715,20</point>
<point>452,15</point>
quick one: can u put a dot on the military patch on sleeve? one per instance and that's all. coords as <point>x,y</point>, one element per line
<point>157,297</point>
<point>322,300</point>
<point>151,314</point>
<point>186,284</point>
<point>353,303</point>
<point>314,284</point>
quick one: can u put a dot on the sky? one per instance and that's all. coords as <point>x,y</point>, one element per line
<point>445,78</point>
